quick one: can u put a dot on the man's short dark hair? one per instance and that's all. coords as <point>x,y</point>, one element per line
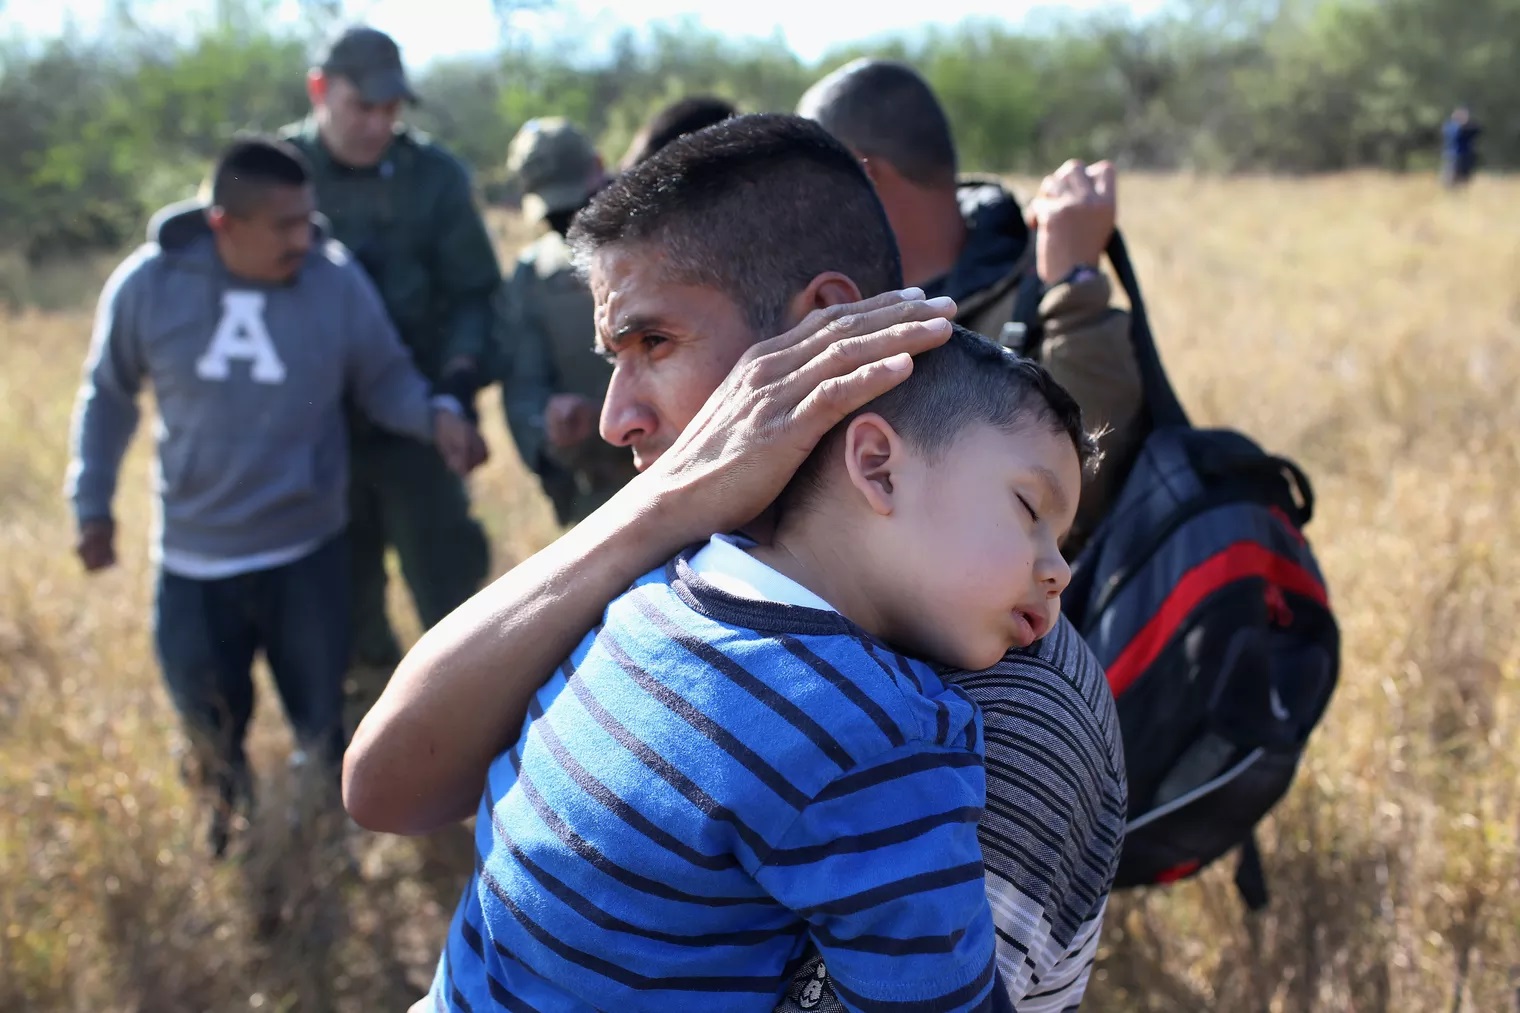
<point>885,110</point>
<point>249,167</point>
<point>677,119</point>
<point>755,207</point>
<point>968,380</point>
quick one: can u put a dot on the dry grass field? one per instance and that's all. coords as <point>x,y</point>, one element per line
<point>1367,325</point>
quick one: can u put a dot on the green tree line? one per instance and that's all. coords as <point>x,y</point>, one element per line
<point>97,130</point>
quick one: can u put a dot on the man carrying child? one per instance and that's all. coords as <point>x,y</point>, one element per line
<point>928,529</point>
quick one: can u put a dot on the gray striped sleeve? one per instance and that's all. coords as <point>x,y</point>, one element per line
<point>1054,822</point>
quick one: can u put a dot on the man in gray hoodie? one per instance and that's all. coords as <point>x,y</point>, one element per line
<point>251,327</point>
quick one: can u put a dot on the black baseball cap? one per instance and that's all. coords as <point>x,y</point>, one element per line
<point>372,61</point>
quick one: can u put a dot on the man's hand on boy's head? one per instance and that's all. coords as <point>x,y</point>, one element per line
<point>782,397</point>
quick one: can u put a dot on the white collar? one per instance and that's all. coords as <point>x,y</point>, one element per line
<point>724,564</point>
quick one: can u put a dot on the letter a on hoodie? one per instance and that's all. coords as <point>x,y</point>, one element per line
<point>241,334</point>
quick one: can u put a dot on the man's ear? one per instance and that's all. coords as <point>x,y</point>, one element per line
<point>873,457</point>
<point>885,177</point>
<point>827,289</point>
<point>873,168</point>
<point>216,217</point>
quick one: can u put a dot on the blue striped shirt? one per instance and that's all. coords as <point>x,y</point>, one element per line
<point>708,783</point>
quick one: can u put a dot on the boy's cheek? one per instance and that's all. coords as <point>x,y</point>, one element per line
<point>972,636</point>
<point>986,658</point>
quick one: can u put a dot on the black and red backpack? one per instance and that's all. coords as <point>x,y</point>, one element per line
<point>1202,599</point>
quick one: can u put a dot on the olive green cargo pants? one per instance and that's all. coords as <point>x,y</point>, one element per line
<point>401,494</point>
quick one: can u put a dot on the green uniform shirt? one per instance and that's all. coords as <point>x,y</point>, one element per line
<point>548,341</point>
<point>412,222</point>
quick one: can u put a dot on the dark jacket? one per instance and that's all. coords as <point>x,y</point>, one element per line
<point>411,221</point>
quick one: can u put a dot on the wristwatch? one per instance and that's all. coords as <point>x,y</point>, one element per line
<point>1078,274</point>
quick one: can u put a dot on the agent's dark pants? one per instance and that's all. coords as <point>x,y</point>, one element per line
<point>402,494</point>
<point>207,632</point>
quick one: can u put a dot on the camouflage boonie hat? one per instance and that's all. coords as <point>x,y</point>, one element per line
<point>372,61</point>
<point>555,164</point>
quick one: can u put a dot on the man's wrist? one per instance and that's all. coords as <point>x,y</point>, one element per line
<point>1079,273</point>
<point>461,381</point>
<point>93,520</point>
<point>1074,304</point>
<point>448,403</point>
<point>661,515</point>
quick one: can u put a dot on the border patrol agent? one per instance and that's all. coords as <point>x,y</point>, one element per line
<point>555,383</point>
<point>405,207</point>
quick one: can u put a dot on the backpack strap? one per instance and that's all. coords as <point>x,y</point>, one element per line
<point>1024,333</point>
<point>1250,877</point>
<point>1160,399</point>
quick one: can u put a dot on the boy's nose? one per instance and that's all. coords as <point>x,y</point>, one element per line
<point>1055,574</point>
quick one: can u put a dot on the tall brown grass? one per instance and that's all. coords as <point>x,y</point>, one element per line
<point>1367,325</point>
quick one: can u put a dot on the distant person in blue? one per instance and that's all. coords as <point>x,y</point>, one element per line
<point>1459,154</point>
<point>735,763</point>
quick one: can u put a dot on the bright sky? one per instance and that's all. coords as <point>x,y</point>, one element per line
<point>427,29</point>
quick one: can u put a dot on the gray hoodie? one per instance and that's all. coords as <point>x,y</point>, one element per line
<point>249,381</point>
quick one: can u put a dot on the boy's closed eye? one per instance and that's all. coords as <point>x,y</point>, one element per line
<point>1048,499</point>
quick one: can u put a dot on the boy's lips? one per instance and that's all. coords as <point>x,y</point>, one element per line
<point>1033,622</point>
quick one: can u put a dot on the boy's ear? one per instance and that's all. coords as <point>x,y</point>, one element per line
<point>827,289</point>
<point>873,453</point>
